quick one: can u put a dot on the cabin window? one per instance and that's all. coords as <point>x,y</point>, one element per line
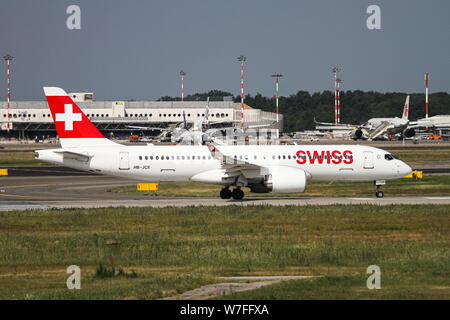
<point>151,157</point>
<point>140,157</point>
<point>146,157</point>
<point>157,158</point>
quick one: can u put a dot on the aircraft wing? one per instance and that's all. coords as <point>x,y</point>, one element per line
<point>381,129</point>
<point>419,124</point>
<point>328,124</point>
<point>229,163</point>
<point>146,128</point>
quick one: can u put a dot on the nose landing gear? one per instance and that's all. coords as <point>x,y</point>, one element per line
<point>379,193</point>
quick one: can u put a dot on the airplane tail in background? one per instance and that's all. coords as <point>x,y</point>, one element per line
<point>73,127</point>
<point>406,109</point>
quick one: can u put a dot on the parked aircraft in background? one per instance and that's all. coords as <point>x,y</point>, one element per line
<point>379,128</point>
<point>384,127</point>
<point>262,168</point>
<point>198,132</point>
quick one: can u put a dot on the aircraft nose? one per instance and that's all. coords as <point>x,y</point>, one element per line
<point>404,169</point>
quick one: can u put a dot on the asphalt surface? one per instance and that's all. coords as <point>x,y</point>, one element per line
<point>68,190</point>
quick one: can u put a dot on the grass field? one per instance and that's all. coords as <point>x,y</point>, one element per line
<point>430,185</point>
<point>20,159</point>
<point>170,250</point>
<point>411,154</point>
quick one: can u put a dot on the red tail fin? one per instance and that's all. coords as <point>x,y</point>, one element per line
<point>70,121</point>
<point>73,127</point>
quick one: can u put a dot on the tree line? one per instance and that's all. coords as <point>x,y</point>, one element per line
<point>299,110</point>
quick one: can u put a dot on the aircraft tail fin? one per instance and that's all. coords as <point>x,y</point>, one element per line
<point>406,109</point>
<point>73,127</point>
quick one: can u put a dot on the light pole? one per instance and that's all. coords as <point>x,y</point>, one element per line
<point>426,95</point>
<point>182,74</point>
<point>8,58</point>
<point>242,59</point>
<point>338,81</point>
<point>277,75</point>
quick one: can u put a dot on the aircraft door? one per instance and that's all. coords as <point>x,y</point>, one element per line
<point>124,161</point>
<point>368,160</point>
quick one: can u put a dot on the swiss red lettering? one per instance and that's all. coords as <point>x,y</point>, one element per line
<point>316,156</point>
<point>348,156</point>
<point>335,157</point>
<point>301,157</point>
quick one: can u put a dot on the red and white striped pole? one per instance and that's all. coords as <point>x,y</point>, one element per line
<point>8,58</point>
<point>276,76</point>
<point>335,71</point>
<point>242,59</point>
<point>426,95</point>
<point>338,81</point>
<point>182,74</point>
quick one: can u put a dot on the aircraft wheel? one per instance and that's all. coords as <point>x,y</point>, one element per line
<point>225,193</point>
<point>379,194</point>
<point>237,194</point>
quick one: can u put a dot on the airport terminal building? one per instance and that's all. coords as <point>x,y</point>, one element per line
<point>28,119</point>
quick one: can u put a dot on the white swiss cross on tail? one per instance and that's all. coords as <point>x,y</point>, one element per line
<point>68,117</point>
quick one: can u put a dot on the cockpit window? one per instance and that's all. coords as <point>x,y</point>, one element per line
<point>389,157</point>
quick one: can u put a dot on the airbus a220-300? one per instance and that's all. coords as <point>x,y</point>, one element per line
<point>262,168</point>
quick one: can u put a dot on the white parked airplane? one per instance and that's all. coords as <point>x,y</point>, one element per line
<point>262,168</point>
<point>384,127</point>
<point>376,127</point>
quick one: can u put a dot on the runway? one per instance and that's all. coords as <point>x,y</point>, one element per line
<point>90,191</point>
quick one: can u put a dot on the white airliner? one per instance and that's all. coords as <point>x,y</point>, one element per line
<point>377,127</point>
<point>262,168</point>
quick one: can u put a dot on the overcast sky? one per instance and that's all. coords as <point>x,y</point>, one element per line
<point>135,49</point>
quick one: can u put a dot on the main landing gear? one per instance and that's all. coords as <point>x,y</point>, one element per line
<point>236,194</point>
<point>379,193</point>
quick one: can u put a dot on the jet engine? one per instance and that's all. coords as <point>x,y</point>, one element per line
<point>285,180</point>
<point>357,134</point>
<point>409,133</point>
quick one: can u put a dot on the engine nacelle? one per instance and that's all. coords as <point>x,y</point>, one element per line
<point>357,134</point>
<point>409,133</point>
<point>286,180</point>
